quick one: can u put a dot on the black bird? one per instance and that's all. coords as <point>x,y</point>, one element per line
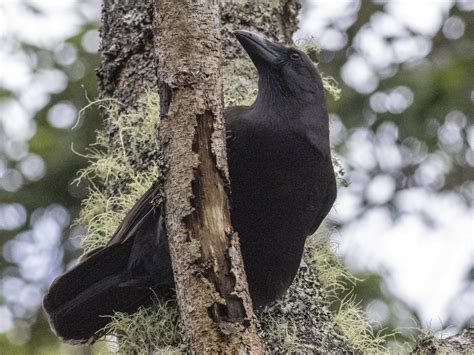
<point>283,186</point>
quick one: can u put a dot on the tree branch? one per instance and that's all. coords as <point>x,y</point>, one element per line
<point>211,286</point>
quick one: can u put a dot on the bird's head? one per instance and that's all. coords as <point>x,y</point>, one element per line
<point>283,70</point>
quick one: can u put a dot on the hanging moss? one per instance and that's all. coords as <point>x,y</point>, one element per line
<point>156,329</point>
<point>115,158</point>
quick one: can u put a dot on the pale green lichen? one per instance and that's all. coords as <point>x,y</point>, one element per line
<point>333,275</point>
<point>101,215</point>
<point>112,159</point>
<point>336,281</point>
<point>157,329</point>
<point>339,171</point>
<point>429,342</point>
<point>283,333</point>
<point>355,325</point>
<point>240,78</point>
<point>271,2</point>
<point>331,86</point>
<point>308,46</point>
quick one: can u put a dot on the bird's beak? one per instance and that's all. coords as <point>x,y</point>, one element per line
<point>260,50</point>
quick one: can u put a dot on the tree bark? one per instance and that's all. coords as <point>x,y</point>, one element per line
<point>128,68</point>
<point>462,343</point>
<point>211,286</point>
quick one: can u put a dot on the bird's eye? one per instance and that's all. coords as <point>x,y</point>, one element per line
<point>295,56</point>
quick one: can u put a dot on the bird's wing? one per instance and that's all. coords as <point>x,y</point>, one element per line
<point>133,221</point>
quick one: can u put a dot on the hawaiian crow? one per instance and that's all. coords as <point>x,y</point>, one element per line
<point>283,186</point>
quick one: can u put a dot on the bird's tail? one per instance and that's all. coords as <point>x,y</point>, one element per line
<point>115,278</point>
<point>80,302</point>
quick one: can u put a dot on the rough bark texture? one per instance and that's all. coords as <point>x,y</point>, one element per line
<point>462,343</point>
<point>211,286</point>
<point>128,64</point>
<point>128,68</point>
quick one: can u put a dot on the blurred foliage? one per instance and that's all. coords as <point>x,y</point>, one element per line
<point>410,124</point>
<point>417,118</point>
<point>50,200</point>
<point>414,117</point>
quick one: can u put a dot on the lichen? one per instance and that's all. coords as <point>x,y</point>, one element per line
<point>101,215</point>
<point>156,329</point>
<point>331,86</point>
<point>430,343</point>
<point>337,281</point>
<point>308,46</point>
<point>114,158</point>
<point>272,2</point>
<point>240,82</point>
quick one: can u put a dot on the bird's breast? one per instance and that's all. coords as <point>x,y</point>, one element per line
<point>278,184</point>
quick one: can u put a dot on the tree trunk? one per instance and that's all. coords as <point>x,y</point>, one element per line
<point>211,286</point>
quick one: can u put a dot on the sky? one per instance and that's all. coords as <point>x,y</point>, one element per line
<point>408,252</point>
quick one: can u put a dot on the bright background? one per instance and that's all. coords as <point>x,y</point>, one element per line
<point>403,131</point>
